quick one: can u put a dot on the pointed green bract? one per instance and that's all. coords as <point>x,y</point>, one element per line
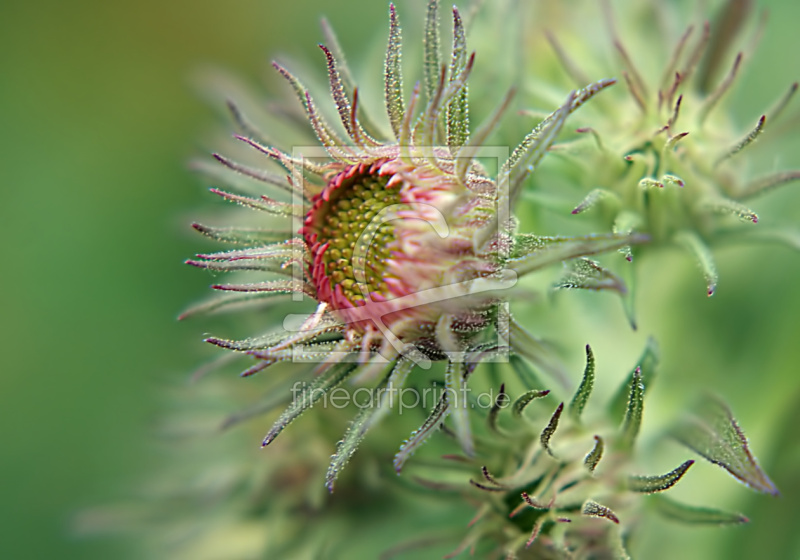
<point>344,69</point>
<point>585,389</point>
<point>264,204</point>
<point>595,196</point>
<point>393,75</point>
<point>722,205</point>
<point>420,435</point>
<point>745,142</point>
<point>527,398</point>
<point>534,146</point>
<point>553,250</point>
<point>310,395</point>
<point>456,391</point>
<point>550,429</point>
<point>659,483</point>
<point>593,458</point>
<point>633,413</point>
<point>231,302</point>
<point>257,174</point>
<point>458,109</point>
<point>367,417</point>
<point>711,431</point>
<point>327,137</point>
<point>432,60</point>
<point>700,251</point>
<point>243,236</point>
<point>694,515</point>
<point>469,151</point>
<point>765,184</point>
<point>586,274</point>
<point>591,508</point>
<point>647,364</point>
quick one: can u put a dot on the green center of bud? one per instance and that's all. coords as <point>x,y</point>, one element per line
<point>359,238</point>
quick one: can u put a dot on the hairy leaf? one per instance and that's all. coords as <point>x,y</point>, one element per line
<point>695,515</point>
<point>550,429</point>
<point>310,395</point>
<point>593,509</point>
<point>594,456</point>
<point>367,417</point>
<point>659,483</point>
<point>633,413</point>
<point>585,389</point>
<point>527,398</point>
<point>647,364</point>
<point>711,431</point>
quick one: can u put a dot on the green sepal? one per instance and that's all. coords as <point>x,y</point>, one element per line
<point>310,395</point>
<point>658,483</point>
<point>526,399</point>
<point>585,389</point>
<point>367,417</point>
<point>594,456</point>
<point>550,429</point>
<point>711,431</point>
<point>633,413</point>
<point>694,515</point>
<point>647,364</point>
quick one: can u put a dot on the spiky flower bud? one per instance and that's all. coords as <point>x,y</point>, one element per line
<point>564,484</point>
<point>409,249</point>
<point>406,243</point>
<point>661,154</point>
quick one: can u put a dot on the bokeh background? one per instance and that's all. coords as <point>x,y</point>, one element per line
<point>99,114</point>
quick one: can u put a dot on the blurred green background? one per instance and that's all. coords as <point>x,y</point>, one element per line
<point>99,116</point>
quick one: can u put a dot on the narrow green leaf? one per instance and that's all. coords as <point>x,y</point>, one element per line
<point>468,151</point>
<point>458,108</point>
<point>264,204</point>
<point>721,205</point>
<point>765,184</point>
<point>700,251</point>
<point>594,456</point>
<point>593,509</point>
<point>647,364</point>
<point>585,389</point>
<point>310,395</point>
<point>385,395</point>
<point>633,413</point>
<point>745,142</point>
<point>243,236</point>
<point>393,75</point>
<point>586,274</point>
<point>327,137</point>
<point>258,174</point>
<point>524,372</point>
<point>421,435</point>
<point>526,399</point>
<point>232,302</point>
<point>659,483</point>
<point>553,250</point>
<point>433,63</point>
<point>455,389</point>
<point>595,196</point>
<point>695,515</point>
<point>534,146</point>
<point>550,429</point>
<point>625,223</point>
<point>711,431</point>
